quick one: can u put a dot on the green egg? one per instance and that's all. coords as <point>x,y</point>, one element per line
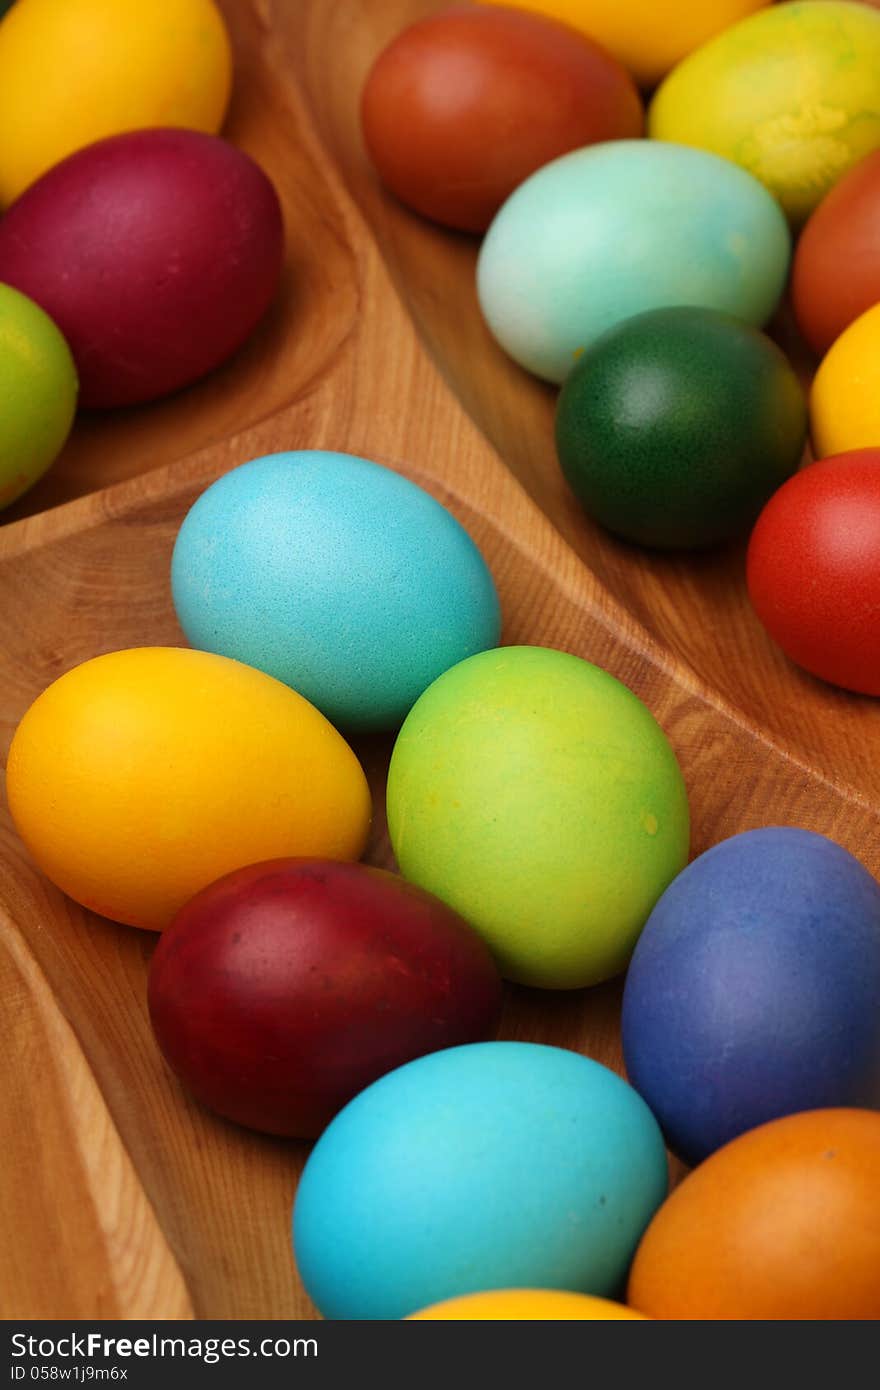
<point>677,426</point>
<point>38,389</point>
<point>538,796</point>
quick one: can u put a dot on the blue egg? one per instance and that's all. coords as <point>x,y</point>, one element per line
<point>496,1165</point>
<point>754,990</point>
<point>615,229</point>
<point>337,576</point>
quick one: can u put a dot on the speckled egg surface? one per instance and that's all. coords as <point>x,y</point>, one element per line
<point>481,1167</point>
<point>676,426</point>
<point>792,94</point>
<point>337,576</point>
<point>538,796</point>
<point>614,230</point>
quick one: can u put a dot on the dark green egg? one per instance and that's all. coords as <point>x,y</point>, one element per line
<point>676,426</point>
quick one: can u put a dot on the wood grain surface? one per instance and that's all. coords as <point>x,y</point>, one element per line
<point>119,1196</point>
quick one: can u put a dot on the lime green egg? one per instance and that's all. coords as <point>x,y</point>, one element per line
<point>538,796</point>
<point>38,388</point>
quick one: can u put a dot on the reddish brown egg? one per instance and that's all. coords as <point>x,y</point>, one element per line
<point>284,989</point>
<point>782,1223</point>
<point>155,252</point>
<point>836,273</point>
<point>464,105</point>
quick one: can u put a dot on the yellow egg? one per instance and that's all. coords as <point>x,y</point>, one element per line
<point>526,1305</point>
<point>791,94</point>
<point>845,399</point>
<point>73,71</point>
<point>647,36</point>
<point>140,777</point>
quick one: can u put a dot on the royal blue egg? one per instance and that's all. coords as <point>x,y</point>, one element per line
<point>337,576</point>
<point>490,1166</point>
<point>754,990</point>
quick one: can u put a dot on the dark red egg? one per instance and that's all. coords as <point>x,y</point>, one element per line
<point>285,988</point>
<point>155,252</point>
<point>836,270</point>
<point>465,104</point>
<point>814,569</point>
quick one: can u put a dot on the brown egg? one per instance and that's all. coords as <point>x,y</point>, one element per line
<point>782,1223</point>
<point>836,274</point>
<point>464,105</point>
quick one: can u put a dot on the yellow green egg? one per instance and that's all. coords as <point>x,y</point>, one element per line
<point>537,795</point>
<point>38,388</point>
<point>792,94</point>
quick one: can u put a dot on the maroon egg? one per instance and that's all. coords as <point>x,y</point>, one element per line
<point>285,988</point>
<point>155,252</point>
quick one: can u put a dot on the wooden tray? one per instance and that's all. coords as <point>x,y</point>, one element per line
<point>118,1197</point>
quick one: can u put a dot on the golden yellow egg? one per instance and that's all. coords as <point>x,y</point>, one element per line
<point>73,71</point>
<point>140,777</point>
<point>647,36</point>
<point>845,399</point>
<point>526,1305</point>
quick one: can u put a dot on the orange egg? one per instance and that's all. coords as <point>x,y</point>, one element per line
<point>782,1223</point>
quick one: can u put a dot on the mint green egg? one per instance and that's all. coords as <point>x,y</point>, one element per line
<point>38,388</point>
<point>537,795</point>
<point>614,230</point>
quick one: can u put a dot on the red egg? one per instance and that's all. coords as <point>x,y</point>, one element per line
<point>814,569</point>
<point>836,272</point>
<point>284,989</point>
<point>464,105</point>
<point>155,252</point>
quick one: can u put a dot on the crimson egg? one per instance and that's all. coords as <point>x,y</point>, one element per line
<point>155,252</point>
<point>285,988</point>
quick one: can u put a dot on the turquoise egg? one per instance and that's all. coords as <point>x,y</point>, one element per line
<point>337,576</point>
<point>616,229</point>
<point>491,1166</point>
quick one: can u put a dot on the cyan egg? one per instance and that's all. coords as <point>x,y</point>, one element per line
<point>489,1166</point>
<point>754,990</point>
<point>613,230</point>
<point>337,576</point>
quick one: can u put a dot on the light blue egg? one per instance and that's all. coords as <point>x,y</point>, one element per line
<point>616,229</point>
<point>496,1165</point>
<point>337,576</point>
